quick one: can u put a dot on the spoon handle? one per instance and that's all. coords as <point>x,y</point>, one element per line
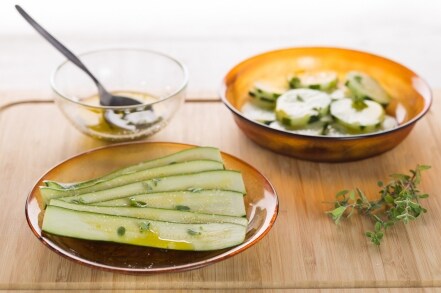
<point>60,47</point>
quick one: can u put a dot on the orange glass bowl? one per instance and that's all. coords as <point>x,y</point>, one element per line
<point>411,99</point>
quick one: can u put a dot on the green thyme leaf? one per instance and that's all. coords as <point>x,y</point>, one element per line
<point>78,201</point>
<point>155,181</point>
<point>193,232</point>
<point>137,203</point>
<point>337,213</point>
<point>148,185</point>
<point>398,202</point>
<point>144,226</point>
<point>121,231</point>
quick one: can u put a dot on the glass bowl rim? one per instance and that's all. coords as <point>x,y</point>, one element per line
<point>181,87</point>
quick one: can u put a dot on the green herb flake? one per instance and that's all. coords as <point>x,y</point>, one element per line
<point>147,185</point>
<point>78,201</point>
<point>144,226</point>
<point>314,86</point>
<point>325,129</point>
<point>299,98</point>
<point>266,100</point>
<point>398,202</point>
<point>193,232</point>
<point>358,78</point>
<point>359,104</point>
<point>137,203</point>
<point>286,121</point>
<point>294,83</point>
<point>182,208</point>
<point>313,119</point>
<point>121,231</point>
<point>155,181</point>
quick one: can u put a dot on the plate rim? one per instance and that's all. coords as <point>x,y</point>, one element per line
<point>232,251</point>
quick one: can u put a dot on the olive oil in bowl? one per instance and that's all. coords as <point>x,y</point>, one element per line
<point>127,121</point>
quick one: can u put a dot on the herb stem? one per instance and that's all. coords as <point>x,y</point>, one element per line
<point>398,202</point>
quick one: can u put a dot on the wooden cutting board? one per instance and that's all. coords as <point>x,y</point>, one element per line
<point>303,250</point>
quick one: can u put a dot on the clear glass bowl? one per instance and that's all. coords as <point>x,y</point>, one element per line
<point>156,80</point>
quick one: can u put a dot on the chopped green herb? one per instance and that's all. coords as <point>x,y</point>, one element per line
<point>121,231</point>
<point>252,94</point>
<point>314,86</point>
<point>193,232</point>
<point>263,99</point>
<point>147,185</point>
<point>367,98</point>
<point>286,121</point>
<point>300,99</point>
<point>182,208</point>
<point>172,163</point>
<point>294,83</point>
<point>155,181</point>
<point>144,226</point>
<point>359,104</point>
<point>313,119</point>
<point>358,78</point>
<point>325,129</point>
<point>78,201</point>
<point>137,203</point>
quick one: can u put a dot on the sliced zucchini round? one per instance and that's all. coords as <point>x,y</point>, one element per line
<point>323,80</point>
<point>358,120</point>
<point>259,114</point>
<point>297,108</point>
<point>364,86</point>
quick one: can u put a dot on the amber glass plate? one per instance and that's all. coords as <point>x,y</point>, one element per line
<point>261,204</point>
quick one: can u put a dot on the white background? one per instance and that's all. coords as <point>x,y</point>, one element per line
<point>406,31</point>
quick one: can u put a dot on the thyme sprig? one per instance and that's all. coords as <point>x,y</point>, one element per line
<point>399,202</point>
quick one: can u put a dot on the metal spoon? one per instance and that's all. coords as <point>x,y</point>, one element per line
<point>106,98</point>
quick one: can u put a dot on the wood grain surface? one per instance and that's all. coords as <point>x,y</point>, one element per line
<point>303,250</point>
